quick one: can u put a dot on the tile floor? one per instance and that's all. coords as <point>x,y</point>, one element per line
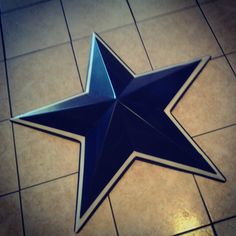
<point>43,58</point>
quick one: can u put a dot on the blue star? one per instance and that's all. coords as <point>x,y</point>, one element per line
<point>121,118</point>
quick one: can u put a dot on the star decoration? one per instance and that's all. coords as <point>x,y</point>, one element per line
<point>120,118</point>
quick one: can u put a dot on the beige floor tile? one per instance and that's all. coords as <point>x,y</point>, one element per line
<point>12,4</point>
<point>125,42</point>
<point>152,200</point>
<point>42,78</point>
<point>8,175</point>
<point>49,210</point>
<point>232,60</point>
<point>101,223</point>
<point>42,156</point>
<point>170,39</point>
<point>210,102</point>
<point>207,231</point>
<point>82,50</point>
<point>220,198</point>
<point>153,8</point>
<point>10,218</point>
<point>34,28</point>
<point>226,228</point>
<point>4,103</point>
<point>221,16</point>
<point>87,16</point>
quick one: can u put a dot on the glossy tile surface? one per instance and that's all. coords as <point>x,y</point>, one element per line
<point>34,28</point>
<point>42,157</point>
<point>42,78</point>
<point>153,8</point>
<point>101,222</point>
<point>169,39</point>
<point>226,228</point>
<point>210,102</point>
<point>207,231</point>
<point>8,175</point>
<point>4,102</point>
<point>87,16</point>
<point>143,201</point>
<point>10,218</point>
<point>220,198</point>
<point>221,16</point>
<point>50,208</point>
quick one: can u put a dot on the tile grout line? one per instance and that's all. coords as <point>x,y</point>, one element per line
<point>192,230</point>
<point>167,13</point>
<point>224,219</point>
<point>72,47</point>
<point>25,6</point>
<point>5,67</point>
<point>8,193</point>
<point>113,216</point>
<point>38,184</point>
<point>12,128</point>
<point>1,121</point>
<point>216,57</point>
<point>136,26</point>
<point>18,177</point>
<point>37,50</point>
<point>209,25</point>
<point>205,206</point>
<point>214,130</point>
<point>50,180</point>
<point>229,53</point>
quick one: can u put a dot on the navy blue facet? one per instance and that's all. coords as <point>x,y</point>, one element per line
<point>119,76</point>
<point>78,119</point>
<point>110,158</point>
<point>157,88</point>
